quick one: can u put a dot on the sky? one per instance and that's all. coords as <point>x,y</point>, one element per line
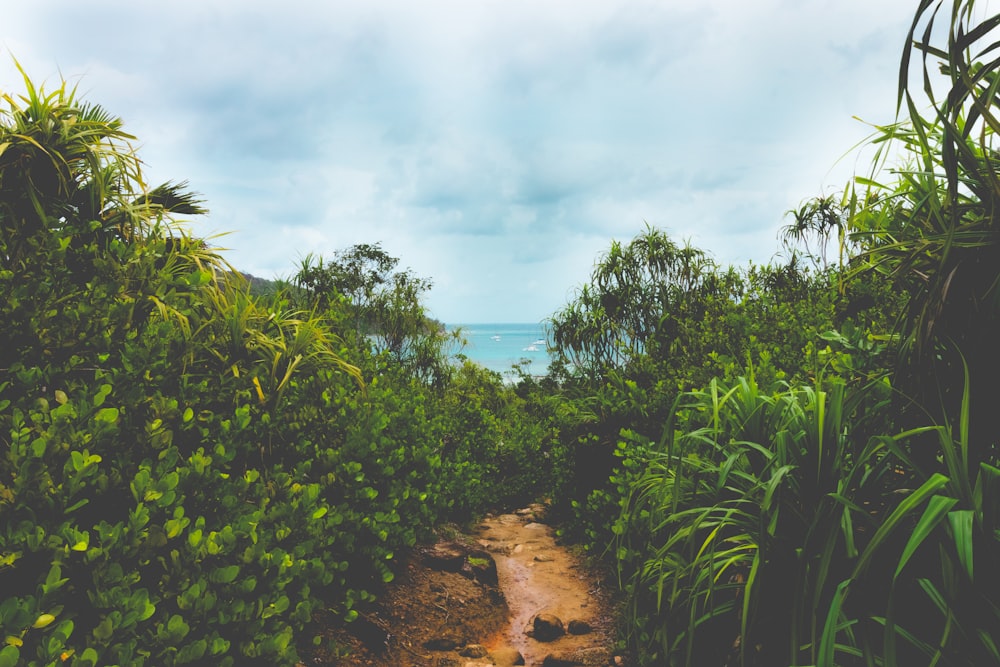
<point>496,147</point>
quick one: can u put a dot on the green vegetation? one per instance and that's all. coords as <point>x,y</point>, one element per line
<point>191,473</point>
<point>790,464</point>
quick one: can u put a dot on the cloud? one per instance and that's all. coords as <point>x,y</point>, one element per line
<point>495,146</point>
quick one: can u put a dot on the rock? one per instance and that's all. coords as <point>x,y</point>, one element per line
<point>578,627</point>
<point>534,526</point>
<point>474,651</point>
<point>483,568</point>
<point>441,644</point>
<point>448,662</point>
<point>445,557</point>
<point>371,634</point>
<point>533,512</point>
<point>544,558</point>
<point>507,656</point>
<point>545,627</point>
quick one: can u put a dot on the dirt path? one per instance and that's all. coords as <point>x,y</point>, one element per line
<point>538,576</point>
<point>473,600</point>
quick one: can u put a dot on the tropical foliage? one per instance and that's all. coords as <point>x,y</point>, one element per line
<point>841,510</point>
<point>191,473</point>
<point>789,464</point>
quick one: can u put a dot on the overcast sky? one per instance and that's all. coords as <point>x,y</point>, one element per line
<point>495,147</point>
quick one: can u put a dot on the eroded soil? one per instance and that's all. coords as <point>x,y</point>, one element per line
<point>471,600</point>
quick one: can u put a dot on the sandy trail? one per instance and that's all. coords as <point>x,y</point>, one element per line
<point>440,613</point>
<point>537,575</point>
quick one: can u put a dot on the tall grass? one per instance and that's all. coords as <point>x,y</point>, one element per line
<point>745,524</point>
<point>785,527</point>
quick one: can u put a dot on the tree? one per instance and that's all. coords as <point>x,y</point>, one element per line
<point>634,292</point>
<point>382,304</point>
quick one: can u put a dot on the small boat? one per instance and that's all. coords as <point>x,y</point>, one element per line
<point>497,337</point>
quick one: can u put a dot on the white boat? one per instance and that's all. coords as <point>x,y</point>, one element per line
<point>497,337</point>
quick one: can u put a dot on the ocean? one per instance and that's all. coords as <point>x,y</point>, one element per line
<point>499,346</point>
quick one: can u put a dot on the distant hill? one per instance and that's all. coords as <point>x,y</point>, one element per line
<point>262,286</point>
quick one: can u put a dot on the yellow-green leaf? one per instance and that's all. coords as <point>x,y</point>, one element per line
<point>104,629</point>
<point>43,620</point>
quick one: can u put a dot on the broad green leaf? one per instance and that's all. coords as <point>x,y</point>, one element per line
<point>177,627</point>
<point>107,415</point>
<point>88,658</point>
<point>225,575</point>
<point>104,630</point>
<point>9,656</point>
<point>102,395</point>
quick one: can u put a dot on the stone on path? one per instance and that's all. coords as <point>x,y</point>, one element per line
<point>578,627</point>
<point>545,627</point>
<point>442,644</point>
<point>474,651</point>
<point>483,568</point>
<point>444,557</point>
<point>532,513</point>
<point>507,656</point>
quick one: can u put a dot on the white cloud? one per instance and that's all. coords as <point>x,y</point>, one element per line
<point>495,146</point>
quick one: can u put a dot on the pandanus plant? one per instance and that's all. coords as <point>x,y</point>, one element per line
<point>79,224</point>
<point>935,228</point>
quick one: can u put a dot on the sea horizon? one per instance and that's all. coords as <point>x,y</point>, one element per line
<point>499,346</point>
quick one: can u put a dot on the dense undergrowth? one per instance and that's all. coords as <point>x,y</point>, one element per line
<point>790,464</point>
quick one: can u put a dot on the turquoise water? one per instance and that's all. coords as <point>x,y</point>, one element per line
<point>499,346</point>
